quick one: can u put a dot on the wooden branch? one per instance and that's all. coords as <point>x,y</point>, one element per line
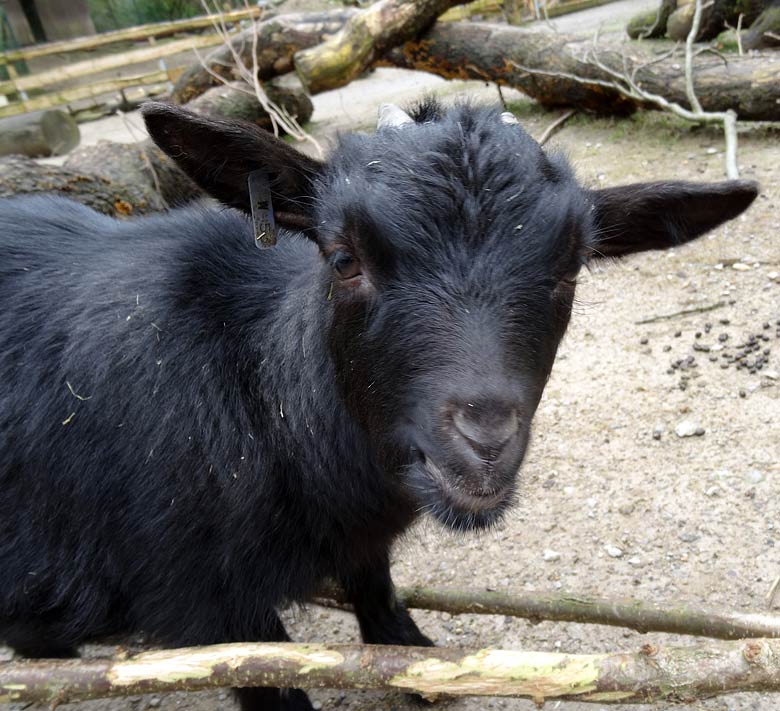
<point>278,39</point>
<point>365,37</point>
<point>139,32</point>
<point>750,85</point>
<point>670,674</point>
<point>565,607</point>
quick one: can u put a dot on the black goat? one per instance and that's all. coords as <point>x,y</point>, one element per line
<point>196,433</point>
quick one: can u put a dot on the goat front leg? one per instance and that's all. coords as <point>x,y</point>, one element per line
<point>382,618</point>
<point>270,699</point>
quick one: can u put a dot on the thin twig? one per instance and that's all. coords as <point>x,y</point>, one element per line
<point>739,34</point>
<point>683,312</point>
<point>555,125</point>
<point>501,96</point>
<point>139,142</point>
<point>279,116</point>
<point>626,84</point>
<point>690,92</point>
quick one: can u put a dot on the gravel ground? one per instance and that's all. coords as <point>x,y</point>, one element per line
<point>694,517</point>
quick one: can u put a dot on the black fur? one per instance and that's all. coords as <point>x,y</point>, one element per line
<point>195,433</point>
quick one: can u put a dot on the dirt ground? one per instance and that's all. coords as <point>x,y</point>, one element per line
<point>695,519</point>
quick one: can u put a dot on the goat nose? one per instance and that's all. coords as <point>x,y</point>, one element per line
<point>488,428</point>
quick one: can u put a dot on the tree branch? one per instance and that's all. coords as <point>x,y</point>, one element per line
<point>565,607</point>
<point>671,674</point>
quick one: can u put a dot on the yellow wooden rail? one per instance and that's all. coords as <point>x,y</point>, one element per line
<point>139,32</point>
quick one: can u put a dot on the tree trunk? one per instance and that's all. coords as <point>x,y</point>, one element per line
<point>545,66</point>
<point>142,165</point>
<point>765,31</point>
<point>20,176</point>
<point>678,16</point>
<point>38,135</point>
<point>279,38</point>
<point>367,35</point>
<point>231,101</point>
<point>652,24</point>
<point>653,674</point>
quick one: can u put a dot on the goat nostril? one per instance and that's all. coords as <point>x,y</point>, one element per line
<point>486,429</point>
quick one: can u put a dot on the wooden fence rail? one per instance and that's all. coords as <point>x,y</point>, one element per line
<point>46,85</point>
<point>139,32</point>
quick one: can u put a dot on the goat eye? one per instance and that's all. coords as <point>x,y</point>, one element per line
<point>346,266</point>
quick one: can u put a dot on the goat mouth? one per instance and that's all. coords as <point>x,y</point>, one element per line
<point>454,506</point>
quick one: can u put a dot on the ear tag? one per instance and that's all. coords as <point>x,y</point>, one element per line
<point>262,209</point>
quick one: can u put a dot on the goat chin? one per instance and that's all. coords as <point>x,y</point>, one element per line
<point>451,505</point>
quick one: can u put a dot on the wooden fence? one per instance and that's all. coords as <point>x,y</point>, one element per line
<point>42,89</point>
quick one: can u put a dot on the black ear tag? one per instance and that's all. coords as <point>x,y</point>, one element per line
<point>262,209</point>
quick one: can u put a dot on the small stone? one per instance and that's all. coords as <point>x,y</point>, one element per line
<point>740,267</point>
<point>712,491</point>
<point>742,392</point>
<point>613,551</point>
<point>711,151</point>
<point>754,476</point>
<point>635,561</point>
<point>689,428</point>
<point>774,276</point>
<point>666,349</point>
<point>771,374</point>
<point>154,702</point>
<point>626,509</point>
<point>688,537</point>
<point>550,556</point>
<point>677,334</point>
<point>643,341</point>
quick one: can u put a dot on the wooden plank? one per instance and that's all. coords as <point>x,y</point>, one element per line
<point>139,32</point>
<point>112,61</point>
<point>67,96</point>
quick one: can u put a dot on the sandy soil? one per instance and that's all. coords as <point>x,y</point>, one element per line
<point>696,518</point>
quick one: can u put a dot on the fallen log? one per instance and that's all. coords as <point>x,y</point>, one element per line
<point>38,135</point>
<point>142,165</point>
<point>566,607</point>
<point>145,165</point>
<point>765,31</point>
<point>232,101</point>
<point>20,175</point>
<point>669,674</point>
<point>556,70</point>
<point>278,39</point>
<point>367,35</point>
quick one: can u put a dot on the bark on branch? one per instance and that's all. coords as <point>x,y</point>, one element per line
<point>563,607</point>
<point>749,85</point>
<point>671,674</point>
<point>279,38</point>
<point>366,36</point>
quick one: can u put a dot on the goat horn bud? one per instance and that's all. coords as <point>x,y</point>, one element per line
<point>390,116</point>
<point>509,118</point>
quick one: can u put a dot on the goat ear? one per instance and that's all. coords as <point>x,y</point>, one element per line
<point>220,155</point>
<point>643,216</point>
